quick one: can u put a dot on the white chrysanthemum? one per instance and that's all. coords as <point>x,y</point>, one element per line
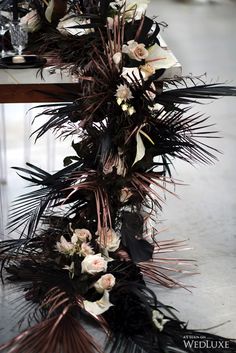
<point>71,269</point>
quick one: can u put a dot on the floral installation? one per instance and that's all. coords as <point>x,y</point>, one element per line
<point>88,242</point>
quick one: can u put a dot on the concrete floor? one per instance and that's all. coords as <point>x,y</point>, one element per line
<point>202,36</point>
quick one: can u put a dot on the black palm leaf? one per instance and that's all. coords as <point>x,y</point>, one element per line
<point>177,134</point>
<point>59,116</point>
<point>181,134</point>
<point>194,94</point>
<point>29,208</point>
<point>134,330</point>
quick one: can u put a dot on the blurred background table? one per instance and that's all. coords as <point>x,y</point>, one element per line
<point>27,85</point>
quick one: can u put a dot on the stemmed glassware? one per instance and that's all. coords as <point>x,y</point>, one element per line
<point>4,27</point>
<point>19,36</point>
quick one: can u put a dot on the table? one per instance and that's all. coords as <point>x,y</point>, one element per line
<point>27,86</point>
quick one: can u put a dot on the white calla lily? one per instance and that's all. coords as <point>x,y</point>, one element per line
<point>159,58</point>
<point>100,306</point>
<point>140,148</point>
<point>67,25</point>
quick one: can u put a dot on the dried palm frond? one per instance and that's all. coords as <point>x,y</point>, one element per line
<point>61,333</point>
<point>158,269</point>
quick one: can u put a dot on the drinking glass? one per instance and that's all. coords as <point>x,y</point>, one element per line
<point>3,29</point>
<point>19,36</point>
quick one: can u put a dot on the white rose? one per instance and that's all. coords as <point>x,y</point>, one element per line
<point>65,247</point>
<point>86,249</point>
<point>147,70</point>
<point>106,282</point>
<point>135,50</point>
<point>93,264</point>
<point>80,235</point>
<point>109,240</point>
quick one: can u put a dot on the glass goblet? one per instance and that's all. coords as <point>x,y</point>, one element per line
<point>3,29</point>
<point>19,36</point>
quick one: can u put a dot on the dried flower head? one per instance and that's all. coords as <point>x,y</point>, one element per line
<point>123,93</point>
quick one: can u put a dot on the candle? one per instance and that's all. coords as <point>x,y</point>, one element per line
<point>18,59</point>
<point>15,10</point>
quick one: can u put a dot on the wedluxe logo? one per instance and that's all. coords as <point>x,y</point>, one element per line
<point>204,342</point>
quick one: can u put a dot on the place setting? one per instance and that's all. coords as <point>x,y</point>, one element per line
<point>14,41</point>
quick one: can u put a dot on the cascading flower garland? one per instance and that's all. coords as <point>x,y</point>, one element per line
<point>88,232</point>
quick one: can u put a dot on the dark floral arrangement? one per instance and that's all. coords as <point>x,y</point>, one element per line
<point>88,238</point>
